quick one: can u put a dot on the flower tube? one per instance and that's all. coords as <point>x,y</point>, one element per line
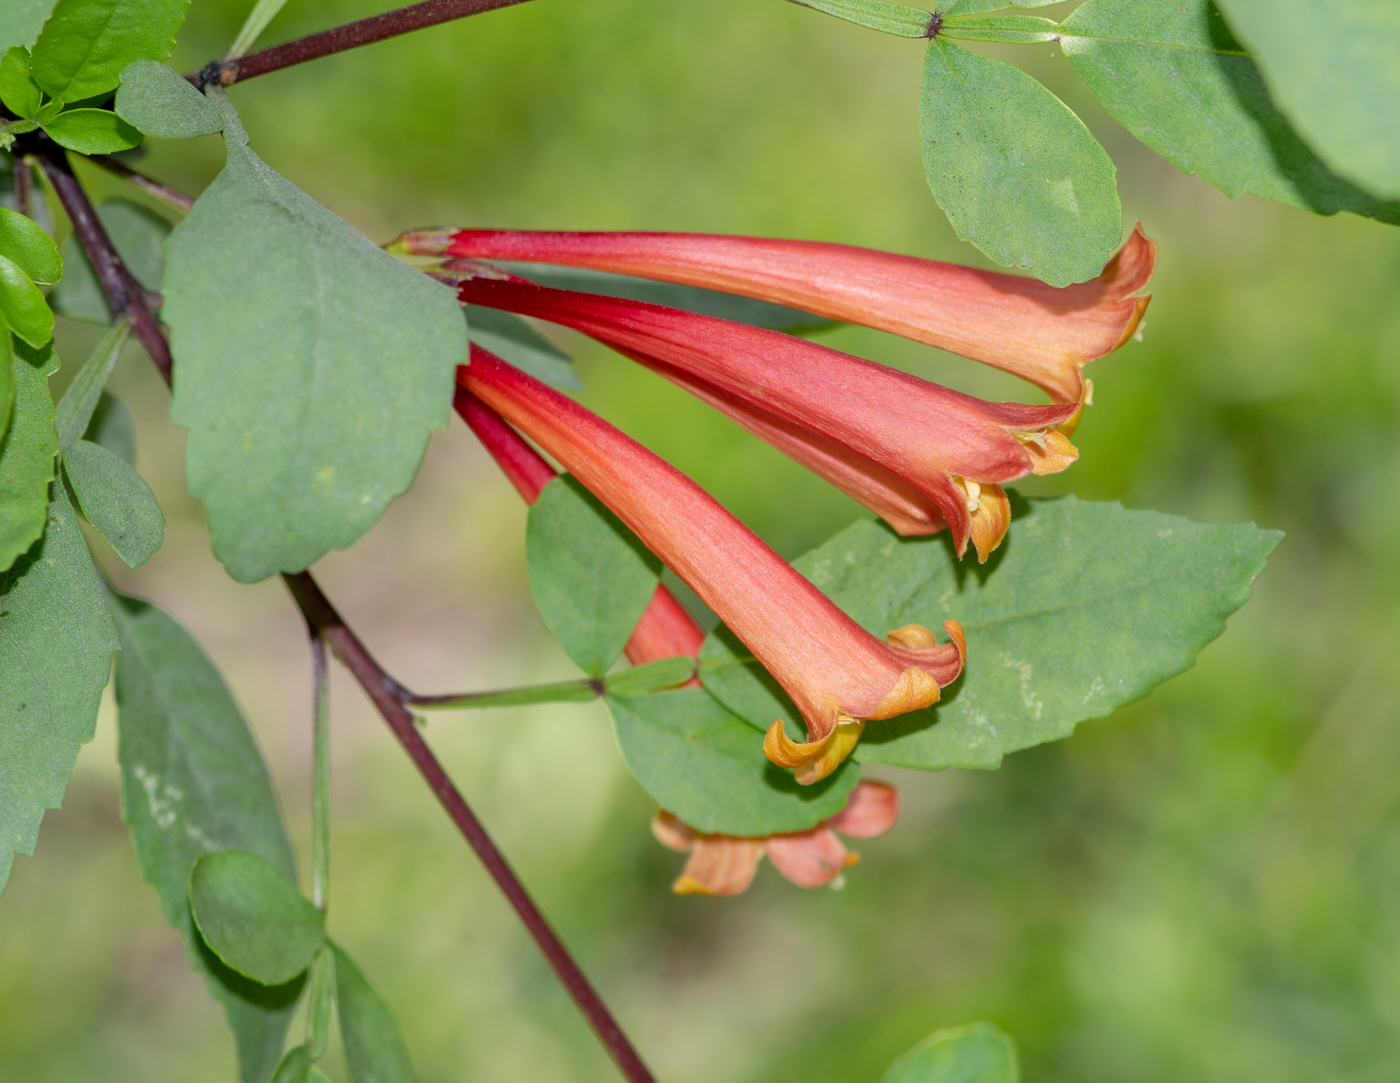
<point>921,455</point>
<point>1041,333</point>
<point>838,675</point>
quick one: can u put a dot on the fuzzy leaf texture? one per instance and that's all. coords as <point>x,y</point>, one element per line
<point>1084,608</point>
<point>75,410</point>
<point>85,44</point>
<point>161,102</point>
<point>139,237</point>
<point>1172,73</point>
<point>116,500</point>
<point>1014,169</point>
<point>193,782</point>
<point>374,1047</point>
<point>56,644</point>
<point>896,19</point>
<point>310,367</point>
<point>976,1053</point>
<point>27,453</point>
<point>21,21</point>
<point>113,428</point>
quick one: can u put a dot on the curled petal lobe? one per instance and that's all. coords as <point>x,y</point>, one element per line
<point>719,865</point>
<point>672,832</point>
<point>872,810</point>
<point>809,859</point>
<point>812,761</point>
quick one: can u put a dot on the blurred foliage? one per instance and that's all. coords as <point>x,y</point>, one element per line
<point>1204,887</point>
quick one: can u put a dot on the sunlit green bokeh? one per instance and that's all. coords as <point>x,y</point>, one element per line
<point>1205,887</point>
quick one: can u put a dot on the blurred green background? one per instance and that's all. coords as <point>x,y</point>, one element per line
<point>1205,886</point>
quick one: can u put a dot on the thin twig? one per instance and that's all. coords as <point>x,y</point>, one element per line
<point>338,39</point>
<point>160,190</point>
<point>385,693</point>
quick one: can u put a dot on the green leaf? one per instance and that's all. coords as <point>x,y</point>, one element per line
<point>139,238</point>
<point>707,766</point>
<point>1084,608</point>
<point>591,578</point>
<point>973,7</point>
<point>513,340</point>
<point>374,1047</point>
<point>116,500</point>
<point>264,11</point>
<point>1334,70</point>
<point>311,367</point>
<point>193,782</point>
<point>1014,169</point>
<point>320,1003</point>
<point>561,692</point>
<point>24,242</point>
<point>295,1067</point>
<point>18,90</point>
<point>56,644</point>
<point>85,44</point>
<point>21,20</point>
<point>92,131</point>
<point>897,19</point>
<point>76,408</point>
<point>1174,76</point>
<point>27,453</point>
<point>651,677</point>
<point>22,305</point>
<point>724,306</point>
<point>252,917</point>
<point>1007,29</point>
<point>112,427</point>
<point>976,1053</point>
<point>161,102</point>
<point>7,382</point>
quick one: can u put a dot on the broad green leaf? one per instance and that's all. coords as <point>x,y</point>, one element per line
<point>374,1047</point>
<point>161,102</point>
<point>116,500</point>
<point>7,383</point>
<point>1086,607</point>
<point>18,90</point>
<point>139,238</point>
<point>79,402</point>
<point>650,677</point>
<point>56,644</point>
<point>1334,70</point>
<point>253,918</point>
<point>513,340</point>
<point>976,1053</point>
<point>1007,29</point>
<point>193,782</point>
<point>311,367</point>
<point>22,305</point>
<point>591,578</point>
<point>897,19</point>
<point>295,1067</point>
<point>707,766</point>
<point>1174,76</point>
<point>27,453</point>
<point>85,44</point>
<point>112,427</point>
<point>725,306</point>
<point>974,7</point>
<point>92,131</point>
<point>1014,169</point>
<point>22,241</point>
<point>21,20</point>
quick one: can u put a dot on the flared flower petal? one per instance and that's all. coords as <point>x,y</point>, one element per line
<point>1041,333</point>
<point>920,454</point>
<point>835,672</point>
<point>810,859</point>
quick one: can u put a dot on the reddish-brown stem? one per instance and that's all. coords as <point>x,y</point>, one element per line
<point>340,38</point>
<point>386,693</point>
<point>173,196</point>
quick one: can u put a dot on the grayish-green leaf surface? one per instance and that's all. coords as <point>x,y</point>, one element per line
<point>1014,169</point>
<point>253,918</point>
<point>79,402</point>
<point>707,766</point>
<point>1084,608</point>
<point>139,237</point>
<point>973,7</point>
<point>161,102</point>
<point>976,1053</point>
<point>309,367</point>
<point>374,1046</point>
<point>56,644</point>
<point>112,427</point>
<point>1174,76</point>
<point>116,500</point>
<point>85,44</point>
<point>23,241</point>
<point>513,340</point>
<point>193,783</point>
<point>1007,29</point>
<point>21,21</point>
<point>1334,69</point>
<point>27,453</point>
<point>591,578</point>
<point>897,19</point>
<point>92,131</point>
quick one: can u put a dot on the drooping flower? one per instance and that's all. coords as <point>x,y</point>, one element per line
<point>665,629</point>
<point>725,864</point>
<point>1041,333</point>
<point>837,674</point>
<point>919,455</point>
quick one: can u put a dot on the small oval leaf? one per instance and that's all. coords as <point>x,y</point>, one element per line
<point>976,1053</point>
<point>161,102</point>
<point>116,500</point>
<point>22,305</point>
<point>92,131</point>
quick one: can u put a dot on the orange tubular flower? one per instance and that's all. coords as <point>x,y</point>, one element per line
<point>1038,332</point>
<point>665,630</point>
<point>725,864</point>
<point>919,455</point>
<point>837,674</point>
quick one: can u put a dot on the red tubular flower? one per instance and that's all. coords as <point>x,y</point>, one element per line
<point>837,674</point>
<point>1041,333</point>
<point>919,455</point>
<point>725,864</point>
<point>665,630</point>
